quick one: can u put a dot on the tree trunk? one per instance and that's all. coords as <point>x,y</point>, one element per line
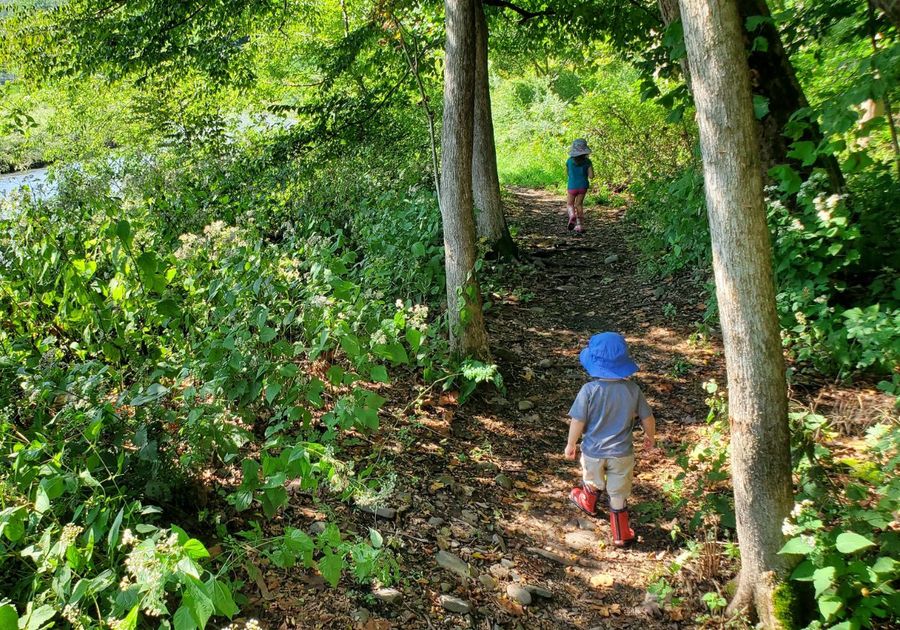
<point>891,9</point>
<point>468,336</point>
<point>489,218</point>
<point>772,77</point>
<point>760,449</point>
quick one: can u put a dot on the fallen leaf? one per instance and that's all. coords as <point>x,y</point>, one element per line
<point>602,579</point>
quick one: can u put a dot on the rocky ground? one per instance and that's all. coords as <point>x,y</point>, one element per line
<point>479,519</point>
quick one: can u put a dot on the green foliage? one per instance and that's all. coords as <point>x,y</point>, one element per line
<point>844,535</point>
<point>538,116</point>
<point>704,470</point>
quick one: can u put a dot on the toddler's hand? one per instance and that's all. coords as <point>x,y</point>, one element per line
<point>570,451</point>
<point>650,443</point>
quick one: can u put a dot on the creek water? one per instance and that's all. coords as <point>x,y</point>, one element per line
<point>35,179</point>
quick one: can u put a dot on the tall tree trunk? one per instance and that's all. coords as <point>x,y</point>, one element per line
<point>489,218</point>
<point>772,77</point>
<point>760,449</point>
<point>891,9</point>
<point>468,336</point>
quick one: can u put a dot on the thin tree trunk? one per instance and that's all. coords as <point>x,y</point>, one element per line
<point>489,218</point>
<point>412,59</point>
<point>468,336</point>
<point>760,449</point>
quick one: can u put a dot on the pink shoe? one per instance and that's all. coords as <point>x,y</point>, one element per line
<point>571,218</point>
<point>585,499</point>
<point>579,229</point>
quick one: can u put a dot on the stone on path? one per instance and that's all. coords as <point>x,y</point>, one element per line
<point>611,259</point>
<point>539,591</point>
<point>453,563</point>
<point>382,512</point>
<point>455,604</point>
<point>519,594</point>
<point>435,521</point>
<point>545,363</point>
<point>499,571</point>
<point>387,595</point>
<point>526,405</point>
<point>549,555</point>
<point>504,481</point>
<point>317,527</point>
<point>580,539</point>
<point>488,582</point>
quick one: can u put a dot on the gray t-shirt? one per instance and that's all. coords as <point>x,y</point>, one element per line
<point>608,409</point>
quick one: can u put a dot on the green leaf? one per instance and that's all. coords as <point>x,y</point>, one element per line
<point>130,620</point>
<point>753,22</point>
<point>198,602</point>
<point>418,249</point>
<point>9,618</point>
<point>851,542</point>
<point>804,571</point>
<point>222,598</point>
<point>183,619</point>
<point>112,538</point>
<point>123,231</point>
<point>35,618</point>
<point>789,180</point>
<point>195,549</point>
<point>272,391</point>
<point>379,374</point>
<point>823,579</point>
<point>266,334</point>
<point>151,394</point>
<point>330,566</point>
<point>414,338</point>
<point>796,546</point>
<point>760,106</point>
<point>376,539</point>
<point>829,605</point>
<point>804,151</point>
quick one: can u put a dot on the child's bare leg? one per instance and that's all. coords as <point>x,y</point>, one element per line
<point>579,206</point>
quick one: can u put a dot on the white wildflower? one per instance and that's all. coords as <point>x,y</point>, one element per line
<point>69,534</point>
<point>379,338</point>
<point>128,538</point>
<point>252,624</point>
<point>399,303</point>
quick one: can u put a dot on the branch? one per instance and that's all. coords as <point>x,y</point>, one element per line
<point>525,13</point>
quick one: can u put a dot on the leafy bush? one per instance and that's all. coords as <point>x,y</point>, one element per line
<point>136,358</point>
<point>846,536</point>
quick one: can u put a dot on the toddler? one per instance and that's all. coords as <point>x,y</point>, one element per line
<point>603,416</point>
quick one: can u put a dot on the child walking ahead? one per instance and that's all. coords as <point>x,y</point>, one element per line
<point>579,171</point>
<point>603,416</point>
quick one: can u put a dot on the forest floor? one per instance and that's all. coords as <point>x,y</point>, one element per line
<point>480,509</point>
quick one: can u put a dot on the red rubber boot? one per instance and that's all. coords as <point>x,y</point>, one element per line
<point>585,498</point>
<point>622,533</point>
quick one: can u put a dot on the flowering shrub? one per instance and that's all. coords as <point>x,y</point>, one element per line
<point>131,360</point>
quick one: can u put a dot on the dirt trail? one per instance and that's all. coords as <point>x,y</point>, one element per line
<point>487,482</point>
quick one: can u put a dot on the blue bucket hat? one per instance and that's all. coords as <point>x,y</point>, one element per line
<point>606,356</point>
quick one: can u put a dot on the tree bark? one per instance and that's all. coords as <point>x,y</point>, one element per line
<point>489,218</point>
<point>891,9</point>
<point>760,448</point>
<point>468,336</point>
<point>772,77</point>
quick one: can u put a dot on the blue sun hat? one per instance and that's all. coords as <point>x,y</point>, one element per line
<point>606,356</point>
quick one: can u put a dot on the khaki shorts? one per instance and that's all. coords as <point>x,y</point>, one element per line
<point>612,474</point>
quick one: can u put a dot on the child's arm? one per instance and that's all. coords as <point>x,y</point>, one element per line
<point>576,428</point>
<point>649,426</point>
